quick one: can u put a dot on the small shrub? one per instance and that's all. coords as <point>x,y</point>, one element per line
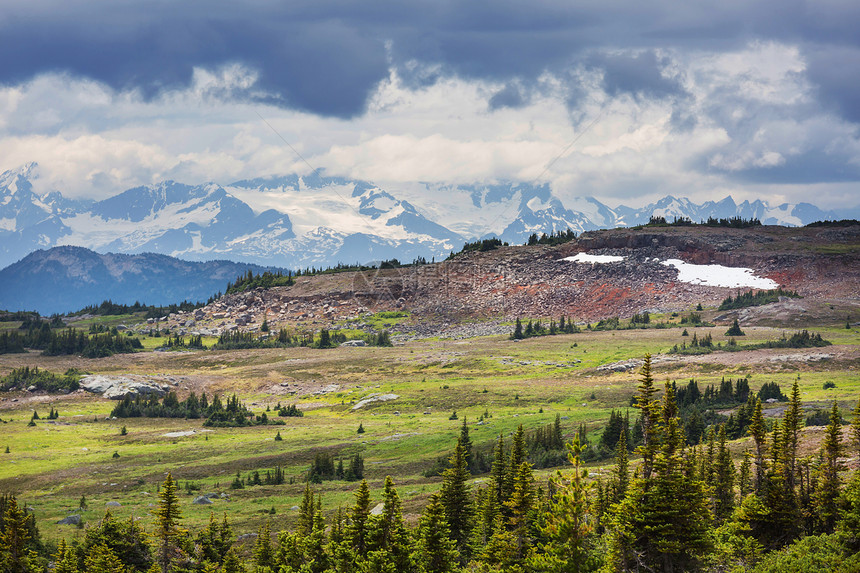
<point>360,428</point>
<point>453,415</point>
<point>829,384</point>
<point>123,431</point>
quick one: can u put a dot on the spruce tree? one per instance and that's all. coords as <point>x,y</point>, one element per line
<point>520,505</point>
<point>356,531</point>
<point>758,431</point>
<point>791,425</point>
<point>167,515</point>
<point>517,456</point>
<point>569,527</point>
<point>15,537</point>
<point>663,524</point>
<point>620,476</point>
<point>388,537</point>
<point>467,445</point>
<point>855,427</point>
<point>434,550</point>
<point>650,417</point>
<point>455,498</point>
<point>100,559</point>
<point>724,480</point>
<point>827,490</point>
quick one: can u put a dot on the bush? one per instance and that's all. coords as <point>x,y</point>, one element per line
<point>829,384</point>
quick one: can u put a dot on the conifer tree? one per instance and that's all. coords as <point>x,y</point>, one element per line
<point>467,445</point>
<point>791,433</point>
<point>855,426</point>
<point>434,550</point>
<point>724,479</point>
<point>568,525</point>
<point>305,523</point>
<point>517,456</point>
<point>520,505</point>
<point>65,560</point>
<point>620,476</point>
<point>744,485</point>
<point>15,556</point>
<point>456,500</point>
<point>388,537</point>
<point>356,531</point>
<point>263,553</point>
<point>100,559</point>
<point>649,415</point>
<point>167,516</point>
<point>663,524</point>
<point>827,491</point>
<point>758,431</point>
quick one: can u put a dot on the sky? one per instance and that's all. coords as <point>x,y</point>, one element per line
<point>626,101</point>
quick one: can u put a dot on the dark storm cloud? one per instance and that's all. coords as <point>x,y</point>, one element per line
<point>836,73</point>
<point>326,56</point>
<point>637,74</point>
<point>509,96</point>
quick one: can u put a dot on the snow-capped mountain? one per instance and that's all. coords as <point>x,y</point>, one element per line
<point>294,221</point>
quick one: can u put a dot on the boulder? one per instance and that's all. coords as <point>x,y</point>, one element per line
<point>354,343</point>
<point>113,504</point>
<point>202,500</point>
<point>70,520</point>
<point>133,389</point>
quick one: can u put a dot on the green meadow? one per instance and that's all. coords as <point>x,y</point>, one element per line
<point>494,383</point>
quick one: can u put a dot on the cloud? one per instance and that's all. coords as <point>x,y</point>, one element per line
<point>625,103</point>
<point>328,56</point>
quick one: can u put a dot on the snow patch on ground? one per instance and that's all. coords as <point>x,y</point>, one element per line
<point>586,258</point>
<point>719,276</point>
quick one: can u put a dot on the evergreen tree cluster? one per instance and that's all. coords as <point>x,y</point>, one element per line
<point>324,467</point>
<point>537,328</point>
<point>24,377</point>
<point>72,341</point>
<point>481,246</point>
<point>755,298</point>
<point>554,238</point>
<point>216,413</point>
<point>682,509</point>
<point>265,280</point>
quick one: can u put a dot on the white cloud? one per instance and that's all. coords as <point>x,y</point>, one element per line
<point>749,109</point>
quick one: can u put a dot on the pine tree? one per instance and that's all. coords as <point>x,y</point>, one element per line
<point>518,331</point>
<point>167,515</point>
<point>434,550</point>
<point>15,555</point>
<point>456,500</point>
<point>620,476</point>
<point>791,429</point>
<point>517,456</point>
<point>650,417</point>
<point>263,553</point>
<point>855,427</point>
<point>663,524</point>
<point>388,537</point>
<point>827,491</point>
<point>758,431</point>
<point>520,505</point>
<point>356,532</point>
<point>568,527</point>
<point>100,559</point>
<point>305,523</point>
<point>467,445</point>
<point>744,483</point>
<point>724,480</point>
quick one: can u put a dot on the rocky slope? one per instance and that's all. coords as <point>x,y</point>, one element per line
<point>819,263</point>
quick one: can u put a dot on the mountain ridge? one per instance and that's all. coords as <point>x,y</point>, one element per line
<point>293,221</point>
